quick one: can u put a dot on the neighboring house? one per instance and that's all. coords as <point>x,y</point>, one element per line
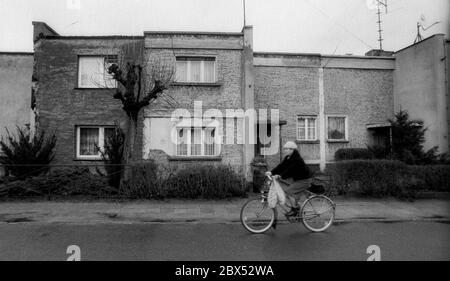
<point>16,70</point>
<point>421,87</point>
<point>325,102</point>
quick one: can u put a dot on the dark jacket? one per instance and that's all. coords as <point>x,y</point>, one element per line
<point>293,167</point>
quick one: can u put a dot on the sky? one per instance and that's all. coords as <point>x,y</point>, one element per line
<point>297,26</point>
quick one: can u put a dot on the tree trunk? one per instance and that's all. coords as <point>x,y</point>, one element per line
<point>128,151</point>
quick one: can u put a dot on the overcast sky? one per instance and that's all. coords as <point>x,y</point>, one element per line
<point>302,26</point>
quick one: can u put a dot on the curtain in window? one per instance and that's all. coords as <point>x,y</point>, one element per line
<point>336,128</point>
<point>182,145</point>
<point>301,124</point>
<point>209,141</point>
<point>196,141</point>
<point>89,139</point>
<point>91,72</point>
<point>209,71</point>
<point>311,128</point>
<point>181,71</point>
<point>195,71</point>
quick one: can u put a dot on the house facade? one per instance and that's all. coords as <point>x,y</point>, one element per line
<point>218,107</point>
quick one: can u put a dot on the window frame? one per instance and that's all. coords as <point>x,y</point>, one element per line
<point>202,59</point>
<point>101,141</point>
<point>345,139</point>
<point>307,117</point>
<point>189,144</point>
<point>105,58</point>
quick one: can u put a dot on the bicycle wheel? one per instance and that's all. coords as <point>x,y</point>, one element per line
<point>256,216</point>
<point>318,213</point>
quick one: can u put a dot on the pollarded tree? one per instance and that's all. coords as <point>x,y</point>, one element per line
<point>139,83</point>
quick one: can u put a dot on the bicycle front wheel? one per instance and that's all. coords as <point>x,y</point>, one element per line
<point>318,213</point>
<point>257,216</point>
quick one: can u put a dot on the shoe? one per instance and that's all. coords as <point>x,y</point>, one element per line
<point>293,212</point>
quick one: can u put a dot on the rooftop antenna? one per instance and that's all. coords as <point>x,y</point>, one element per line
<point>379,4</point>
<point>420,25</point>
<point>244,10</point>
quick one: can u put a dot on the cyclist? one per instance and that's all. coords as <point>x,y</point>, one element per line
<point>293,175</point>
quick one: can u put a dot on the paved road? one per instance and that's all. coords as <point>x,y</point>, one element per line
<point>345,241</point>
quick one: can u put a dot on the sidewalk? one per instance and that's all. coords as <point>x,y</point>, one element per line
<point>203,211</point>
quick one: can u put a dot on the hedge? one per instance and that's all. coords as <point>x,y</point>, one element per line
<point>60,182</point>
<point>152,181</point>
<point>379,178</point>
<point>353,154</point>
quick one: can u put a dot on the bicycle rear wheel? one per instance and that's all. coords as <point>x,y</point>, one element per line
<point>318,213</point>
<point>257,216</point>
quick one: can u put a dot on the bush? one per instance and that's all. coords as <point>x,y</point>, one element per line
<point>352,154</point>
<point>151,181</point>
<point>60,182</point>
<point>209,182</point>
<point>27,156</point>
<point>377,178</point>
<point>433,178</point>
<point>112,155</point>
<point>147,181</point>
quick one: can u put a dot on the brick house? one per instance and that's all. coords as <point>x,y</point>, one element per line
<point>324,102</point>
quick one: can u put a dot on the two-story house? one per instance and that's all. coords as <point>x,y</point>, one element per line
<point>221,90</point>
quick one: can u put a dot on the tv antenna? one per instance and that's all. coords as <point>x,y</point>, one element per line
<point>419,26</point>
<point>385,5</point>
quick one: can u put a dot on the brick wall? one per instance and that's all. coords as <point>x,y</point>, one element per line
<point>294,91</point>
<point>60,104</point>
<point>364,96</point>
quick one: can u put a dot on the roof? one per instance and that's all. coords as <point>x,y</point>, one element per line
<point>193,33</point>
<point>17,53</point>
<point>107,37</point>
<point>412,45</point>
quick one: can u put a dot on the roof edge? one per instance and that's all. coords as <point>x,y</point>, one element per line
<point>17,53</point>
<point>193,33</point>
<point>412,45</point>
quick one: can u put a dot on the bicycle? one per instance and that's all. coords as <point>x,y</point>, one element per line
<point>317,212</point>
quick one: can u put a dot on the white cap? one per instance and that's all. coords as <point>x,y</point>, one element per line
<point>290,144</point>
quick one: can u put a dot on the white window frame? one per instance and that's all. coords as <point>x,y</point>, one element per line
<point>104,74</point>
<point>101,140</point>
<point>307,117</point>
<point>202,150</point>
<point>345,124</point>
<point>202,60</point>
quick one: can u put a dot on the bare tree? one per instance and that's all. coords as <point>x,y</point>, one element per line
<point>139,83</point>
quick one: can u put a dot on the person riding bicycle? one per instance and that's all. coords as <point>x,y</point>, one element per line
<point>293,174</point>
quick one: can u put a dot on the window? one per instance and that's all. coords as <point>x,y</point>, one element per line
<point>337,128</point>
<point>196,69</point>
<point>196,141</point>
<point>306,128</point>
<point>89,139</point>
<point>92,72</point>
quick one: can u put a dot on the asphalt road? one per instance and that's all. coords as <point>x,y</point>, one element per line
<point>345,241</point>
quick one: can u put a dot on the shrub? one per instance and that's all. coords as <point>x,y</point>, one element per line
<point>209,182</point>
<point>25,155</point>
<point>376,178</point>
<point>153,181</point>
<point>433,177</point>
<point>352,154</point>
<point>112,155</point>
<point>147,181</point>
<point>60,182</point>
